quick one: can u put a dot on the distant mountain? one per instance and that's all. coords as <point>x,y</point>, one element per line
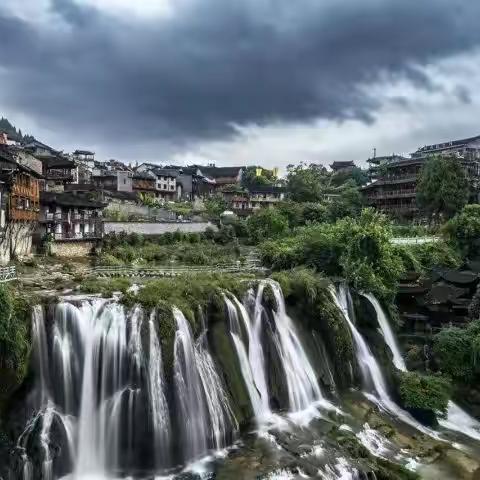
<point>13,133</point>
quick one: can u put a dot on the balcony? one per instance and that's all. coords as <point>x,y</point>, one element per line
<point>21,214</point>
<point>392,194</point>
<point>51,217</point>
<point>68,236</point>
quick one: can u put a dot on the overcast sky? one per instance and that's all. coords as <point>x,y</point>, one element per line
<point>267,82</point>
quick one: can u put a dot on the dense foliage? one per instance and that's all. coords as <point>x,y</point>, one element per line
<point>464,230</point>
<point>258,176</point>
<point>457,351</point>
<point>12,132</point>
<point>424,392</point>
<point>267,223</point>
<point>442,186</point>
<point>210,248</point>
<point>423,257</point>
<point>14,336</point>
<point>357,249</point>
<point>307,183</point>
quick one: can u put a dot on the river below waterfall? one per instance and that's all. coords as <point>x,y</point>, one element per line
<point>121,392</point>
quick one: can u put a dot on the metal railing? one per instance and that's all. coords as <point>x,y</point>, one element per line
<point>166,271</point>
<point>7,274</point>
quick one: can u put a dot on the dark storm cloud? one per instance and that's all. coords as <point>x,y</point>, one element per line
<point>218,62</point>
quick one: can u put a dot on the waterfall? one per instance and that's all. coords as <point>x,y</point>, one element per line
<point>101,385</point>
<point>457,419</point>
<point>40,351</point>
<point>222,419</point>
<point>105,348</point>
<point>206,418</point>
<point>303,388</point>
<point>387,333</point>
<point>158,401</point>
<point>371,372</point>
<point>251,364</point>
<point>188,390</point>
<point>460,421</point>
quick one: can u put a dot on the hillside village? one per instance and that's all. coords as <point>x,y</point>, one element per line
<point>66,202</point>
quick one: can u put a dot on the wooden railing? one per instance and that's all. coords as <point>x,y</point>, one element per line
<point>7,274</point>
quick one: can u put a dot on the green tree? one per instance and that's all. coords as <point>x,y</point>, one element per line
<point>442,186</point>
<point>216,205</point>
<point>250,179</point>
<point>307,183</point>
<point>464,230</point>
<point>348,203</point>
<point>356,174</point>
<point>266,223</point>
<point>456,351</point>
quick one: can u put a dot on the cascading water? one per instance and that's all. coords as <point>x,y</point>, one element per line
<point>251,363</point>
<point>99,369</point>
<point>371,372</point>
<point>158,401</point>
<point>206,417</point>
<point>303,388</point>
<point>457,419</point>
<point>387,332</point>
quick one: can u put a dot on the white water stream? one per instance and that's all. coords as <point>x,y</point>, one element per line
<point>457,419</point>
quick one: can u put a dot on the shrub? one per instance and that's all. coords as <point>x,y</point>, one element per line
<point>455,351</point>
<point>358,249</point>
<point>14,332</point>
<point>424,392</point>
<point>266,223</point>
<point>464,229</point>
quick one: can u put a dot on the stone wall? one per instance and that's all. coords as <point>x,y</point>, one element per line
<point>72,248</point>
<point>16,241</point>
<point>156,228</point>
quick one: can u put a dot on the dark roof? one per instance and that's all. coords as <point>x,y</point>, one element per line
<point>68,199</point>
<point>7,154</point>
<point>80,187</point>
<point>447,145</point>
<point>143,176</point>
<point>132,196</point>
<point>83,152</point>
<point>342,164</point>
<point>36,143</point>
<point>57,162</point>
<point>165,172</point>
<point>106,174</point>
<point>387,159</point>
<point>216,172</point>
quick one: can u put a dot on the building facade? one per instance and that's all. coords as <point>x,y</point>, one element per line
<point>70,224</point>
<point>245,203</point>
<point>393,187</point>
<point>19,205</point>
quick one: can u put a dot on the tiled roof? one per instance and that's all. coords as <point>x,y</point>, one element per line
<point>57,162</point>
<point>68,199</point>
<point>447,145</point>
<point>217,172</point>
